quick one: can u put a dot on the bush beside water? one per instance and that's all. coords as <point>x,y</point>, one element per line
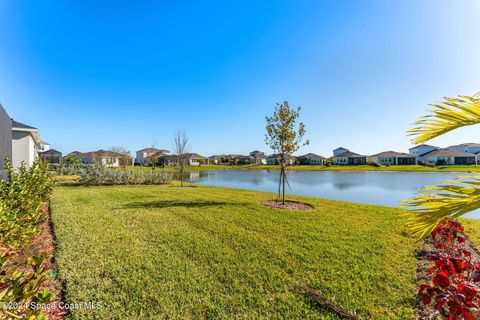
<point>97,174</point>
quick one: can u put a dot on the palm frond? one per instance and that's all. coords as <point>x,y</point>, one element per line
<point>446,116</point>
<point>452,199</point>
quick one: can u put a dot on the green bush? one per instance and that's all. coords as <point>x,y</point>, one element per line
<point>98,174</point>
<point>23,197</point>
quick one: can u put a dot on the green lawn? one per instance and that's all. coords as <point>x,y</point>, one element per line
<point>412,168</point>
<point>161,252</point>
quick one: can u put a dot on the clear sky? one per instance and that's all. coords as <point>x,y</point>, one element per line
<point>94,74</point>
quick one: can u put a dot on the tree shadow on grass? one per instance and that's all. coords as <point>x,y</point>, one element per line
<point>178,203</point>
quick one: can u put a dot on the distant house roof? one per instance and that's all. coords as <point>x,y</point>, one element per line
<point>447,153</point>
<point>238,156</point>
<point>194,155</point>
<point>215,156</point>
<point>422,146</point>
<point>22,126</point>
<point>51,152</point>
<point>311,155</point>
<point>44,142</point>
<point>340,148</point>
<point>393,154</point>
<point>94,154</point>
<point>153,150</point>
<point>466,145</point>
<point>275,156</point>
<point>350,154</point>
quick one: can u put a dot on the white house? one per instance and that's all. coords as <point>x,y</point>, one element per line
<point>143,156</point>
<point>44,146</point>
<point>466,147</point>
<point>258,157</point>
<point>448,157</point>
<point>107,158</point>
<point>5,140</point>
<point>25,144</point>
<point>421,149</point>
<point>392,158</point>
<point>343,156</point>
<point>311,159</point>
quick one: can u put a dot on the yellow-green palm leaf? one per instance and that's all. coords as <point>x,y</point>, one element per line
<point>446,116</point>
<point>452,199</point>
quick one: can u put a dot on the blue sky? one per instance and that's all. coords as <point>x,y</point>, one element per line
<point>92,75</point>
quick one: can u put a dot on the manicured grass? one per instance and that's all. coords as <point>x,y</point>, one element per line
<point>412,168</point>
<point>472,228</point>
<point>151,252</point>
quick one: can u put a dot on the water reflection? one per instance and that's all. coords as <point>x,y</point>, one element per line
<point>381,188</point>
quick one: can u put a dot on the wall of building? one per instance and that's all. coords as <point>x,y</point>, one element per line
<point>5,140</point>
<point>23,149</point>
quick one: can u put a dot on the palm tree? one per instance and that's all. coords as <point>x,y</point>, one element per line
<point>453,198</point>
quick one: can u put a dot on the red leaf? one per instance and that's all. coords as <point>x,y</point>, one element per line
<point>441,279</point>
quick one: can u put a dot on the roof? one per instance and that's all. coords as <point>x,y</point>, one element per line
<point>276,156</point>
<point>468,144</point>
<point>51,151</point>
<point>393,154</point>
<point>447,153</point>
<point>99,153</point>
<point>22,126</point>
<point>422,146</point>
<point>340,148</point>
<point>349,154</point>
<point>194,155</point>
<point>153,150</point>
<point>311,155</point>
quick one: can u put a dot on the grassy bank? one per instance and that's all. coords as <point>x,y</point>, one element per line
<point>412,168</point>
<point>163,251</point>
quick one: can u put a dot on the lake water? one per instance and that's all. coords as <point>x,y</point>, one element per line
<point>380,188</point>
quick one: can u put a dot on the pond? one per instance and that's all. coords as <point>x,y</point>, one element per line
<point>380,188</point>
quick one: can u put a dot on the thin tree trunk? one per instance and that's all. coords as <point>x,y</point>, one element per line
<point>283,184</point>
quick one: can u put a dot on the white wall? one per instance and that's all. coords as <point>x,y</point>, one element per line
<point>23,149</point>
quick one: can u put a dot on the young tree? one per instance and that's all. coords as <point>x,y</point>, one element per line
<point>181,144</point>
<point>284,137</point>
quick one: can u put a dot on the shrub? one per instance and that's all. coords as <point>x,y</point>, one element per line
<point>22,198</point>
<point>100,175</point>
<point>455,277</point>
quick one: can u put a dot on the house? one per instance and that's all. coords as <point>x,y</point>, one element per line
<point>25,144</point>
<point>339,151</point>
<point>258,157</point>
<point>343,156</point>
<point>51,156</point>
<point>218,159</point>
<point>107,158</point>
<point>168,160</point>
<point>44,146</point>
<point>311,159</point>
<point>144,156</point>
<point>448,157</point>
<point>466,147</point>
<point>238,159</point>
<point>5,140</point>
<point>392,158</point>
<point>421,149</point>
<point>191,159</point>
<point>194,159</point>
<point>274,159</point>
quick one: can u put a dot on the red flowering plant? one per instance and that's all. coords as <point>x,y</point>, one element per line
<point>454,291</point>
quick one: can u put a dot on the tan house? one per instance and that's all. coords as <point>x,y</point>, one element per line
<point>392,158</point>
<point>107,158</point>
<point>311,159</point>
<point>145,156</point>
